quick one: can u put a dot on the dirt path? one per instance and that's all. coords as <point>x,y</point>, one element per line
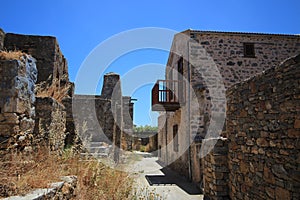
<point>151,177</point>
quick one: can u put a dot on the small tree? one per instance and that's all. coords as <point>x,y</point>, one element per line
<point>146,128</point>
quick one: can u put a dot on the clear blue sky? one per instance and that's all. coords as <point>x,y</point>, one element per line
<point>81,25</point>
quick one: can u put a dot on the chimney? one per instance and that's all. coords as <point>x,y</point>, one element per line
<point>111,86</point>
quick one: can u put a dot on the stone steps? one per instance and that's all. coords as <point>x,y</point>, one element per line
<point>98,150</point>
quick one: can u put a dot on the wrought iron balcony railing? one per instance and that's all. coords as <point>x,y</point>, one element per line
<point>167,95</point>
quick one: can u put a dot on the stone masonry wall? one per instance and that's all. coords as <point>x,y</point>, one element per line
<point>17,110</point>
<point>55,125</point>
<point>53,78</point>
<point>127,134</point>
<point>50,124</point>
<point>72,138</point>
<point>161,137</point>
<point>226,52</point>
<point>215,169</point>
<point>263,131</point>
<point>51,63</point>
<point>52,86</point>
<point>2,35</point>
<point>94,113</point>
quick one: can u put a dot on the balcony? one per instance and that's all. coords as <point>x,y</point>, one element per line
<point>167,95</point>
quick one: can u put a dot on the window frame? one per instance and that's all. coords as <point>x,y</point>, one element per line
<point>249,49</point>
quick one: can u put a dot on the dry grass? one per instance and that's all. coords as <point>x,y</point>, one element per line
<point>11,55</point>
<point>54,90</point>
<point>20,173</point>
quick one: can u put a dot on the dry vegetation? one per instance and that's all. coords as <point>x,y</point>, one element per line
<point>145,148</point>
<point>44,89</point>
<point>21,173</point>
<point>11,55</point>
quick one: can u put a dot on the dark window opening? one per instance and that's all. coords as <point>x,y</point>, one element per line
<point>180,68</point>
<point>249,50</point>
<point>175,138</point>
<point>193,35</point>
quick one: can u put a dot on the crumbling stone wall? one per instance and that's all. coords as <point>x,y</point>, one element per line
<point>147,138</point>
<point>263,130</point>
<point>92,113</point>
<point>98,113</point>
<point>52,86</point>
<point>50,124</point>
<point>17,99</point>
<point>127,133</point>
<point>70,126</point>
<point>60,190</point>
<point>54,121</point>
<point>103,119</point>
<point>2,35</point>
<point>51,63</point>
<point>52,81</point>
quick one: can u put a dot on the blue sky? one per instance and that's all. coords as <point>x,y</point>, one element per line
<point>82,25</point>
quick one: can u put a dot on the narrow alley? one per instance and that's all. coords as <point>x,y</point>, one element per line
<point>150,176</point>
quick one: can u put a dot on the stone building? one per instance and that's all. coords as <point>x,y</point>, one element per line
<point>202,66</point>
<point>37,98</point>
<point>146,139</point>
<point>51,86</point>
<point>17,98</point>
<point>105,119</point>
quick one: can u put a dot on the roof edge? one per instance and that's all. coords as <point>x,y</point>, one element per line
<point>45,36</point>
<point>240,33</point>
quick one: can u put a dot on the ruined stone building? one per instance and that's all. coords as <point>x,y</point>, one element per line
<point>47,120</point>
<point>238,79</point>
<point>36,100</point>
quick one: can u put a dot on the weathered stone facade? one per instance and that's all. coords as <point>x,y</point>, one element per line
<point>199,52</point>
<point>127,133</point>
<point>51,63</point>
<point>106,118</point>
<point>50,123</point>
<point>52,79</point>
<point>259,159</point>
<point>149,139</point>
<point>2,35</point>
<point>263,134</point>
<point>17,110</point>
<point>215,170</point>
<point>51,120</point>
